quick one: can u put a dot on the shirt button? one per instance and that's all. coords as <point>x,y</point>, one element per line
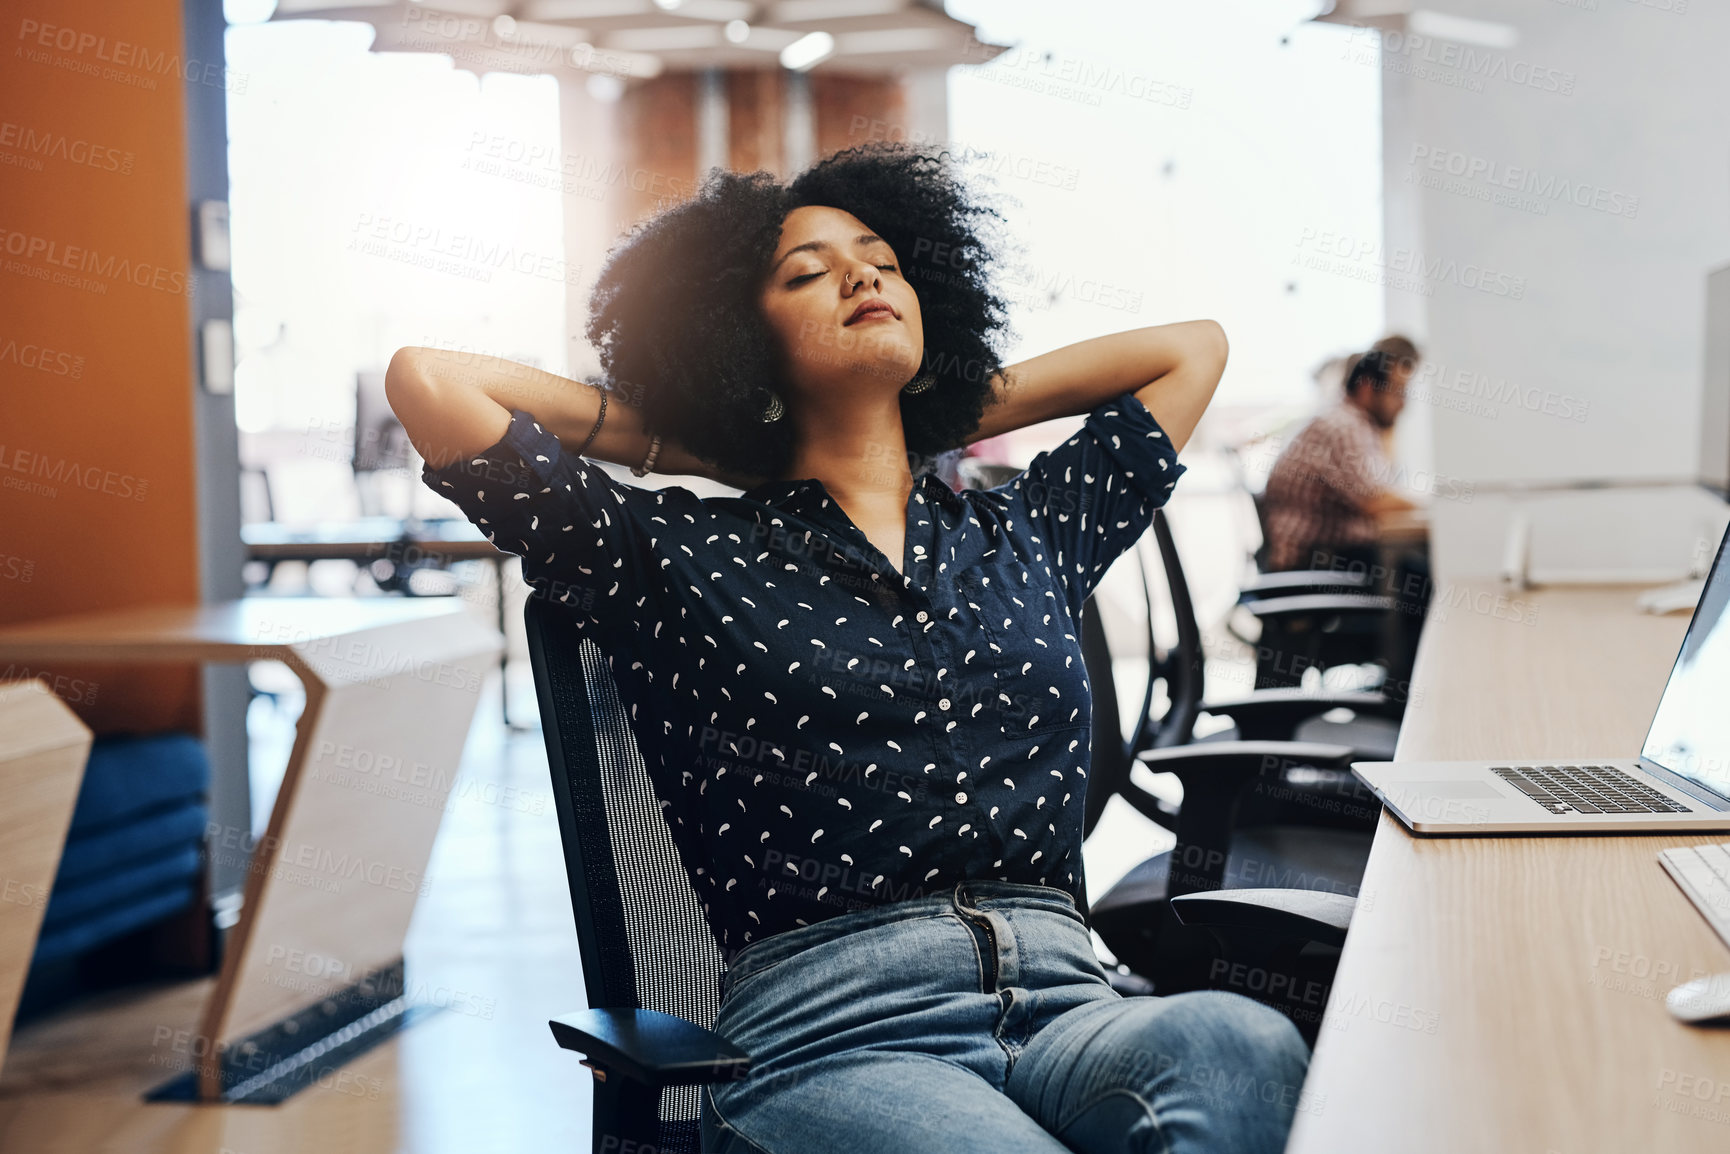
<point>944,704</point>
<point>961,798</point>
<point>923,616</point>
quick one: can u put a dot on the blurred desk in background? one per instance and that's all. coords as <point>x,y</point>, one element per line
<point>1407,528</point>
<point>391,550</point>
<point>391,689</point>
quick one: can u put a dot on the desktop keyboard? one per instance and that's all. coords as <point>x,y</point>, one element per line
<point>1586,789</point>
<point>1703,873</point>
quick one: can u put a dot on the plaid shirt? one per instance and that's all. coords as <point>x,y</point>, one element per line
<point>1317,487</point>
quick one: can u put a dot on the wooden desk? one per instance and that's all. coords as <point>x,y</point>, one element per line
<point>405,544</point>
<point>1405,528</point>
<point>43,748</point>
<point>391,687</point>
<point>1507,994</point>
<point>369,539</point>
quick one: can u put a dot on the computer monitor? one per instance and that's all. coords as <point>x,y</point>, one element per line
<point>380,441</point>
<point>1690,733</point>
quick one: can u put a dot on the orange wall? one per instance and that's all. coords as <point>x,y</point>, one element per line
<point>659,131</point>
<point>851,110</point>
<point>96,436</point>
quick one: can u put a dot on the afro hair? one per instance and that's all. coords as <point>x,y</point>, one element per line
<point>676,320</point>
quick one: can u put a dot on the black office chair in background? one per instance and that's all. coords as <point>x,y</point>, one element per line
<point>1259,809</point>
<point>1303,619</point>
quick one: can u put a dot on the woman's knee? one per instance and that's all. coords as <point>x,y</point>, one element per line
<point>1199,1071</point>
<point>1225,1029</point>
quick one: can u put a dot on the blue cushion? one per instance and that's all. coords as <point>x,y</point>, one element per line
<point>94,854</point>
<point>70,903</point>
<point>129,776</point>
<point>138,911</point>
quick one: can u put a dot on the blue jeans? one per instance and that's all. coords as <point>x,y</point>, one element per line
<point>981,1020</point>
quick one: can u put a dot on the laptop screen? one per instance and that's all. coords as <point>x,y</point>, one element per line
<point>1690,733</point>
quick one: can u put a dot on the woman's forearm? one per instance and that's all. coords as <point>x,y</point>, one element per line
<point>564,407</point>
<point>430,382</point>
<point>1172,369</point>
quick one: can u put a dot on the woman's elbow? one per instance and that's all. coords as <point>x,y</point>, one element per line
<point>1213,347</point>
<point>404,383</point>
<point>413,397</point>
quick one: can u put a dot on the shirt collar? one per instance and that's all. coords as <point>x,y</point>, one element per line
<point>776,492</point>
<point>782,493</point>
<point>1361,414</point>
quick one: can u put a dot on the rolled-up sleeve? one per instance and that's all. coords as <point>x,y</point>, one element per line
<point>1091,498</point>
<point>583,536</point>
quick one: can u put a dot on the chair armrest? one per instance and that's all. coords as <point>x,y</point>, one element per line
<point>1315,604</point>
<point>651,1047</point>
<point>1214,775</point>
<point>1311,915</point>
<point>1273,714</point>
<point>1210,761</point>
<point>1288,581</point>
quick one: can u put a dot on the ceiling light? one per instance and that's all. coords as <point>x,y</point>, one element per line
<point>737,31</point>
<point>808,51</point>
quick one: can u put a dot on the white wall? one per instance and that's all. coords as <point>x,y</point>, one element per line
<point>1583,359</point>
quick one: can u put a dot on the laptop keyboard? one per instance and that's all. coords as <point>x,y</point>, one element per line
<point>1586,789</point>
<point>1703,872</point>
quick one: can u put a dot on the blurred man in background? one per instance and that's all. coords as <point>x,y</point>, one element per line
<point>1331,482</point>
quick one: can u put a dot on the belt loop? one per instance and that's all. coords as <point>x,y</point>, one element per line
<point>961,896</point>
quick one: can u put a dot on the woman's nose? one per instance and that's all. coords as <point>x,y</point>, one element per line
<point>861,276</point>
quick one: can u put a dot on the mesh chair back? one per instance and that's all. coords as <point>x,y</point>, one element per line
<point>1178,668</point>
<point>1185,668</point>
<point>644,942</point>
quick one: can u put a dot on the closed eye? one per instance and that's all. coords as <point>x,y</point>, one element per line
<point>809,275</point>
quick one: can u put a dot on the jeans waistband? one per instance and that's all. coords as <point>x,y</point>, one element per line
<point>979,894</point>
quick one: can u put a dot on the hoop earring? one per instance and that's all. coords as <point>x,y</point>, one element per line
<point>919,384</point>
<point>774,411</point>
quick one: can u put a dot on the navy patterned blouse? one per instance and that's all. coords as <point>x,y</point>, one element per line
<point>826,728</point>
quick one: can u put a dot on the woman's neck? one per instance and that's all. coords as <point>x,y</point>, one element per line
<point>858,450</point>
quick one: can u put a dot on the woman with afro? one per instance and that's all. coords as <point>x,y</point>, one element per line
<point>859,693</point>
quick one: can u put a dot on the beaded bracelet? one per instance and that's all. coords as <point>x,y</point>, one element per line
<point>649,461</point>
<point>597,427</point>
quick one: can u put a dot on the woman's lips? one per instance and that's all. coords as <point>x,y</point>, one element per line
<point>870,308</point>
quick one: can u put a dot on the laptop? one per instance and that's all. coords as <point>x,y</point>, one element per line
<point>1680,781</point>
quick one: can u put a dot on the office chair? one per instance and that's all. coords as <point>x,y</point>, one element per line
<point>1257,805</point>
<point>1262,715</point>
<point>651,967</point>
<point>1306,618</point>
<point>1287,582</point>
